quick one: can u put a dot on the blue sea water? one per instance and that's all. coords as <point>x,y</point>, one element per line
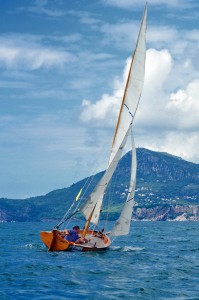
<point>158,260</point>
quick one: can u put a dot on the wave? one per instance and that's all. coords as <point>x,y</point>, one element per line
<point>33,246</point>
<point>126,248</point>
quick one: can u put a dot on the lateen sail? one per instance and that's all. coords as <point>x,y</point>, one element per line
<point>128,109</point>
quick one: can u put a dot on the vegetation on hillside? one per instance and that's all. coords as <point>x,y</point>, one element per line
<point>163,181</point>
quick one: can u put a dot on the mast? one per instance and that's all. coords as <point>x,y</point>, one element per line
<point>127,113</point>
<point>133,88</point>
<point>87,224</point>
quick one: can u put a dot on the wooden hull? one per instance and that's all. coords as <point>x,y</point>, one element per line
<point>55,242</point>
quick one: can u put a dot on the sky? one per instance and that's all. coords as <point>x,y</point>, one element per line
<point>63,65</point>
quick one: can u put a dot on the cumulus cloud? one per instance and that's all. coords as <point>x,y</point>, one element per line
<point>105,110</point>
<point>166,117</point>
<point>184,105</point>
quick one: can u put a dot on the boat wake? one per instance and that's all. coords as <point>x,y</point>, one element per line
<point>131,248</point>
<point>126,248</point>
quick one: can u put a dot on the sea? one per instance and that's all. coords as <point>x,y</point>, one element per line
<point>157,260</point>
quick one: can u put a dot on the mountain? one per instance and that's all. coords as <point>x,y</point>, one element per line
<point>167,189</point>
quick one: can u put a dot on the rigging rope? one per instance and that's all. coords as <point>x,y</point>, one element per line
<point>87,184</point>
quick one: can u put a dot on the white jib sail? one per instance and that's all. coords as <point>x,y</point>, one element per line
<point>96,197</point>
<point>122,225</point>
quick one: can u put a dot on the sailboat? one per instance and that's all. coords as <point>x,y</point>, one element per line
<point>92,239</point>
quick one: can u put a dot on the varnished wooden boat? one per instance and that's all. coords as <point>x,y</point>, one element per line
<point>93,204</point>
<point>54,241</point>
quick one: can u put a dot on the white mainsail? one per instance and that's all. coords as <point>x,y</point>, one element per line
<point>133,88</point>
<point>128,109</point>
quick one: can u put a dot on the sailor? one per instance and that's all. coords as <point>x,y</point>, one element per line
<point>73,235</point>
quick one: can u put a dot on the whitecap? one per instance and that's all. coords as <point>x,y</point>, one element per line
<point>29,246</point>
<point>115,248</point>
<point>131,248</point>
<point>32,246</point>
<point>126,248</point>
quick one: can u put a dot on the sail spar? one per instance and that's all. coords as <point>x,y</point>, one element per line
<point>127,113</point>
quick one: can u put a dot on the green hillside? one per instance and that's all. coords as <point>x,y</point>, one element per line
<point>163,181</point>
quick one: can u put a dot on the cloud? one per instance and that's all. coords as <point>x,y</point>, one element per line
<point>40,7</point>
<point>85,17</point>
<point>107,108</point>
<point>122,34</point>
<point>184,105</point>
<point>126,4</point>
<point>167,117</point>
<point>192,35</point>
<point>179,143</point>
<point>15,84</point>
<point>162,34</point>
<point>27,52</point>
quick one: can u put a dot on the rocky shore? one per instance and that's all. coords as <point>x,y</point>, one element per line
<point>167,213</point>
